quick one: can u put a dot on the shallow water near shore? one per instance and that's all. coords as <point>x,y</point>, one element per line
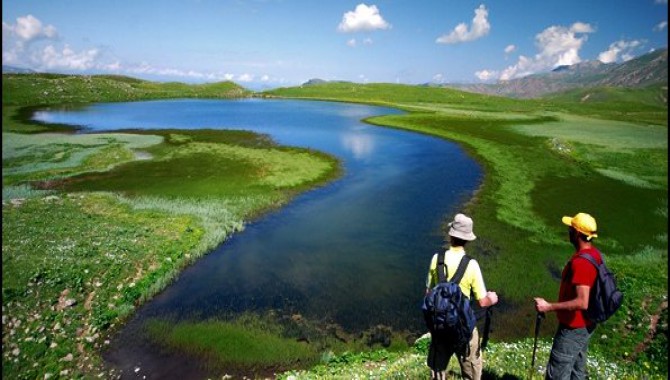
<point>353,253</point>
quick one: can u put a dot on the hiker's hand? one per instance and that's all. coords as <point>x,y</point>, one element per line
<point>493,296</point>
<point>490,299</point>
<point>541,305</point>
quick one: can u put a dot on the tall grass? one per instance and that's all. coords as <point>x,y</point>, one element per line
<point>220,217</point>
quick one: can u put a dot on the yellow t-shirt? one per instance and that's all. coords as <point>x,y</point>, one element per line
<point>472,278</point>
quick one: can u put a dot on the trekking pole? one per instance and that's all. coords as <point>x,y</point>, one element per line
<point>487,329</point>
<point>538,320</point>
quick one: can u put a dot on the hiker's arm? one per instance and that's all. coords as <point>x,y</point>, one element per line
<point>581,302</point>
<point>490,299</point>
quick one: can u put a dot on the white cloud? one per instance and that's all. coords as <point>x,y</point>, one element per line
<point>245,78</point>
<point>619,49</point>
<point>351,42</point>
<point>19,40</point>
<point>361,19</point>
<point>580,27</point>
<point>479,28</point>
<point>29,28</point>
<point>67,58</point>
<point>510,49</point>
<point>558,45</point>
<point>661,26</point>
<point>31,44</point>
<point>486,75</point>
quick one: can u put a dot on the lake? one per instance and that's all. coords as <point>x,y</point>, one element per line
<point>354,253</point>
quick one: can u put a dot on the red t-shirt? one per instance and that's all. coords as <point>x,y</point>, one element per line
<point>583,273</point>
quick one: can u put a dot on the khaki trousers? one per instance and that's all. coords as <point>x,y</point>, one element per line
<point>471,366</point>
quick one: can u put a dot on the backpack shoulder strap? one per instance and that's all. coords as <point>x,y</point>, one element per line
<point>441,268</point>
<point>589,258</point>
<point>462,266</point>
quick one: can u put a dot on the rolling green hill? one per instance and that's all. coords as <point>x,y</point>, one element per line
<point>43,89</point>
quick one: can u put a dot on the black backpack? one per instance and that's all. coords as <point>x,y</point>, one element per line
<point>446,310</point>
<point>605,298</point>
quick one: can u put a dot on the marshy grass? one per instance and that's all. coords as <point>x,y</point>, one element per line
<point>57,155</point>
<point>233,346</point>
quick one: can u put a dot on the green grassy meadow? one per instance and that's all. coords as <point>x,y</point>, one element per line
<point>67,286</point>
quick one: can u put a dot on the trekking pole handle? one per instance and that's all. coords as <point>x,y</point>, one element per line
<point>538,320</point>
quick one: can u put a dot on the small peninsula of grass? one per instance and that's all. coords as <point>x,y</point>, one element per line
<point>85,241</point>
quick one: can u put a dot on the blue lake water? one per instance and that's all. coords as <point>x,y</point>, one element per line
<point>354,252</point>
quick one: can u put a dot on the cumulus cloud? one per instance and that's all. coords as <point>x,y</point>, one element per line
<point>66,58</point>
<point>461,33</point>
<point>20,40</point>
<point>31,44</point>
<point>486,75</point>
<point>363,18</point>
<point>661,26</point>
<point>619,50</point>
<point>557,45</point>
<point>510,49</point>
<point>29,29</point>
<point>245,78</point>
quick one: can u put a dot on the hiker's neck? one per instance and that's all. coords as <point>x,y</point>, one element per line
<point>582,245</point>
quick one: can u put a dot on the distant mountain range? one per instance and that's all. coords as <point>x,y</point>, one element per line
<point>649,69</point>
<point>646,70</point>
<point>15,70</point>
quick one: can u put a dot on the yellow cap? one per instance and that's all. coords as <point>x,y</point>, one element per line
<point>582,222</point>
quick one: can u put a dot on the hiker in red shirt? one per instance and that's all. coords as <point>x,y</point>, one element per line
<point>568,352</point>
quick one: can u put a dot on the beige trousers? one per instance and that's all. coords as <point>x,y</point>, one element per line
<point>471,366</point>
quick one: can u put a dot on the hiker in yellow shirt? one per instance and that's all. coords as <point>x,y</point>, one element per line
<point>440,351</point>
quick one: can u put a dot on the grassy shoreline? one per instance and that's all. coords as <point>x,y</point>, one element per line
<point>529,172</point>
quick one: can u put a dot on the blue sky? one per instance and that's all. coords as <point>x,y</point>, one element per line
<point>272,43</point>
